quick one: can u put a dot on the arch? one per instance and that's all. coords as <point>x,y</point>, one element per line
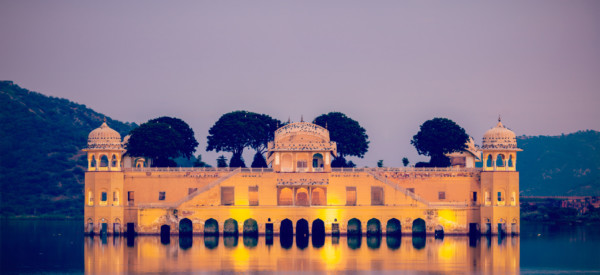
<point>513,198</point>
<point>165,234</point>
<point>489,162</point>
<point>103,161</point>
<point>230,227</point>
<point>302,197</point>
<point>211,227</point>
<point>418,227</point>
<point>117,227</point>
<point>354,227</point>
<point>317,161</point>
<point>93,161</point>
<point>113,161</point>
<point>318,196</point>
<point>90,197</point>
<point>185,227</point>
<point>302,228</point>
<point>286,228</point>
<point>287,164</point>
<point>439,231</point>
<point>500,160</point>
<point>373,227</point>
<point>286,196</point>
<point>250,227</point>
<point>103,197</point>
<point>393,227</point>
<point>510,161</point>
<point>116,196</point>
<point>318,233</point>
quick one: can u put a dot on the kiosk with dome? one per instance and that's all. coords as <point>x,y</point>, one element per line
<point>301,193</point>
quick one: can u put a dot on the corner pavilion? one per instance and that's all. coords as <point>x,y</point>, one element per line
<point>301,193</point>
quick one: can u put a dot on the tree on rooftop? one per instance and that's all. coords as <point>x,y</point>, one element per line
<point>221,161</point>
<point>185,132</point>
<point>351,138</point>
<point>438,137</point>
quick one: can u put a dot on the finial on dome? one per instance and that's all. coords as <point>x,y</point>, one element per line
<point>289,120</point>
<point>301,118</point>
<point>104,119</point>
<point>499,118</point>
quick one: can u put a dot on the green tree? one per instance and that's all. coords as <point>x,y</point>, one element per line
<point>157,141</point>
<point>351,138</point>
<point>405,162</point>
<point>185,132</point>
<point>380,163</point>
<point>200,163</point>
<point>259,161</point>
<point>438,137</point>
<point>221,161</point>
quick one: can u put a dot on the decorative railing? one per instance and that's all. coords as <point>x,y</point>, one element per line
<point>409,169</point>
<point>197,169</point>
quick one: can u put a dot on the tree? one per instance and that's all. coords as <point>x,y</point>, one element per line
<point>259,161</point>
<point>237,130</point>
<point>221,161</point>
<point>351,138</point>
<point>405,162</point>
<point>185,132</point>
<point>200,163</point>
<point>380,163</point>
<point>157,141</point>
<point>438,137</point>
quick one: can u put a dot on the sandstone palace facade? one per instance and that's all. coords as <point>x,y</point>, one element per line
<point>301,193</point>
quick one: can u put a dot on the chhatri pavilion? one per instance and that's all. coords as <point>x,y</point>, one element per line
<point>301,193</point>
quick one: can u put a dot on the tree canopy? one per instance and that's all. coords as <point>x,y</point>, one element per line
<point>162,139</point>
<point>438,137</point>
<point>351,138</point>
<point>237,130</point>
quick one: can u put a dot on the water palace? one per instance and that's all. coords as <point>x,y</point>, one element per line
<point>301,193</point>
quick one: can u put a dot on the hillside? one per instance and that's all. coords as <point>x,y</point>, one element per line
<point>41,163</point>
<point>565,165</point>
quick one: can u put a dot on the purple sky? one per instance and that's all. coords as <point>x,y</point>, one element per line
<point>390,65</point>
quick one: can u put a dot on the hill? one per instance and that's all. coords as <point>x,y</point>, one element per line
<point>41,162</point>
<point>566,165</point>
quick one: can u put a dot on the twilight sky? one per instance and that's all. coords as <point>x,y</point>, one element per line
<point>390,65</point>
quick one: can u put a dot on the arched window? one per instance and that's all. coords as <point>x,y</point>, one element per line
<point>103,198</point>
<point>510,161</point>
<point>489,161</point>
<point>103,161</point>
<point>302,197</point>
<point>513,199</point>
<point>93,162</point>
<point>116,197</point>
<point>113,162</point>
<point>317,160</point>
<point>500,160</point>
<point>286,196</point>
<point>319,196</point>
<point>487,198</point>
<point>90,197</point>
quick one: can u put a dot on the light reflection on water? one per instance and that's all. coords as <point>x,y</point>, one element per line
<point>210,253</point>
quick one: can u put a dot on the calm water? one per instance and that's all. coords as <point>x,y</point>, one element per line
<point>60,247</point>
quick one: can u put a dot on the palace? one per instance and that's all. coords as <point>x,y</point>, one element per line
<point>301,193</point>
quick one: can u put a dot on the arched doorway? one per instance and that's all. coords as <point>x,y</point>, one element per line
<point>230,227</point>
<point>318,196</point>
<point>286,228</point>
<point>211,227</point>
<point>373,227</point>
<point>439,232</point>
<point>165,234</point>
<point>418,227</point>
<point>185,227</point>
<point>318,233</point>
<point>302,228</point>
<point>393,228</point>
<point>317,162</point>
<point>302,197</point>
<point>286,196</point>
<point>354,227</point>
<point>103,161</point>
<point>250,227</point>
<point>500,160</point>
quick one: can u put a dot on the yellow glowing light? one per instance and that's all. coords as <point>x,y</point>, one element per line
<point>331,256</point>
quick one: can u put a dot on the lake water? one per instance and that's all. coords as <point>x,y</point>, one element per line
<point>60,247</point>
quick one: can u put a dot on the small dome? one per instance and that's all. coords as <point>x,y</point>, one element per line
<point>499,137</point>
<point>104,137</point>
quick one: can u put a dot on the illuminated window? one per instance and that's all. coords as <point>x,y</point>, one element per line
<point>286,196</point>
<point>253,195</point>
<point>90,198</point>
<point>302,197</point>
<point>376,195</point>
<point>319,196</point>
<point>351,195</point>
<point>513,199</point>
<point>161,196</point>
<point>441,195</point>
<point>227,196</point>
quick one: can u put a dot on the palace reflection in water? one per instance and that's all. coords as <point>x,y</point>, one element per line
<point>232,253</point>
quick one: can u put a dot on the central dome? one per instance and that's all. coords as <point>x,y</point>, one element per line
<point>104,137</point>
<point>499,137</point>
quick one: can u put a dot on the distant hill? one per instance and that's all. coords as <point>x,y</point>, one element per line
<point>565,165</point>
<point>41,162</point>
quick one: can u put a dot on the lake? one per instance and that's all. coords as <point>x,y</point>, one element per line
<point>39,246</point>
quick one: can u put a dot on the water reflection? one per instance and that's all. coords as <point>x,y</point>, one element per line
<point>320,253</point>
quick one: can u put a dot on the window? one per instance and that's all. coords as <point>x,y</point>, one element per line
<point>104,196</point>
<point>319,196</point>
<point>487,198</point>
<point>376,195</point>
<point>474,196</point>
<point>351,195</point>
<point>286,196</point>
<point>301,164</point>
<point>130,198</point>
<point>499,196</point>
<point>253,195</point>
<point>441,195</point>
<point>227,196</point>
<point>412,190</point>
<point>162,195</point>
<point>90,198</point>
<point>513,199</point>
<point>116,197</point>
<point>192,190</point>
